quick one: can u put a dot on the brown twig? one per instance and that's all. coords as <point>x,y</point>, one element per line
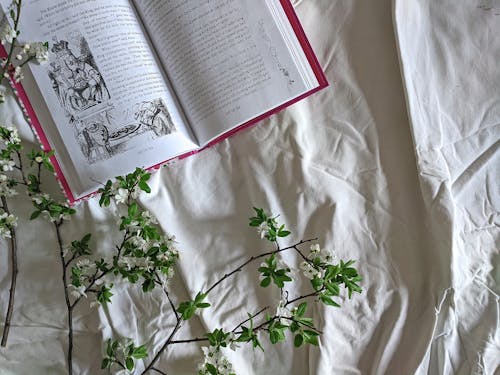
<point>13,281</point>
<point>253,258</point>
<point>69,306</point>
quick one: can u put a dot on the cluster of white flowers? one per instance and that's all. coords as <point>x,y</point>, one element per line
<point>121,195</point>
<point>7,222</point>
<point>14,138</point>
<point>5,187</point>
<point>132,262</point>
<point>310,271</point>
<point>325,256</point>
<point>214,357</point>
<point>86,266</point>
<point>38,49</point>
<point>149,218</point>
<point>7,165</point>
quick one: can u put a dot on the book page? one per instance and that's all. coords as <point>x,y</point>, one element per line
<point>227,60</point>
<point>104,89</point>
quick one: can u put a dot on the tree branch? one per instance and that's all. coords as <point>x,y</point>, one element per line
<point>69,306</point>
<point>253,258</point>
<point>13,281</point>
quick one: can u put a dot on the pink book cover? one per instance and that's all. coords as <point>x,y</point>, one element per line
<point>301,36</point>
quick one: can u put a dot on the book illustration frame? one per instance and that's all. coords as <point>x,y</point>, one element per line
<point>75,76</point>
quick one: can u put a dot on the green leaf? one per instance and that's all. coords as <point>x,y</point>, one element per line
<point>35,214</point>
<point>129,363</point>
<point>140,352</point>
<point>310,337</point>
<point>298,341</point>
<point>274,337</point>
<point>106,363</point>
<point>301,309</point>
<point>328,301</point>
<point>148,285</point>
<point>317,283</point>
<point>283,233</point>
<point>211,369</point>
<point>265,282</point>
<point>144,187</point>
<point>109,349</point>
<point>132,210</point>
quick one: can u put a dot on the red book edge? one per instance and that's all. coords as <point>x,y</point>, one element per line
<point>34,122</point>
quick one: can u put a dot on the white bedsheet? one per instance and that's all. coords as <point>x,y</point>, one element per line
<point>396,165</point>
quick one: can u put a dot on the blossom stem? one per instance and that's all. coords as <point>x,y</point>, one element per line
<point>253,258</point>
<point>13,282</point>
<point>170,337</point>
<point>158,371</point>
<point>21,169</point>
<point>69,306</point>
<point>249,318</point>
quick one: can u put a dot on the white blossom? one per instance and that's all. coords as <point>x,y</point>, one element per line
<point>7,165</point>
<point>5,188</point>
<point>40,51</point>
<point>315,249</point>
<point>87,267</point>
<point>263,229</point>
<point>77,292</point>
<point>135,193</point>
<point>132,262</point>
<point>224,366</point>
<point>327,256</point>
<point>13,136</point>
<point>212,354</point>
<point>282,311</point>
<point>309,271</point>
<point>39,198</point>
<point>233,345</point>
<point>121,196</point>
<point>4,232</point>
<point>150,219</point>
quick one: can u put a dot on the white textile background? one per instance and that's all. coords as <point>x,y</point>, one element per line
<point>396,165</point>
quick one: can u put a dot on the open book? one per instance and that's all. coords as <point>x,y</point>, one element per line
<point>138,82</point>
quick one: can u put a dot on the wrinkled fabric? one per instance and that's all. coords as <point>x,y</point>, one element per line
<point>395,165</point>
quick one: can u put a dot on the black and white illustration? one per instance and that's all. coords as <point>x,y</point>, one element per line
<point>74,74</point>
<point>104,132</point>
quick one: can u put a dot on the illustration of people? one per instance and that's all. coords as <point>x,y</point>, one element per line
<point>154,115</point>
<point>94,141</point>
<point>78,84</point>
